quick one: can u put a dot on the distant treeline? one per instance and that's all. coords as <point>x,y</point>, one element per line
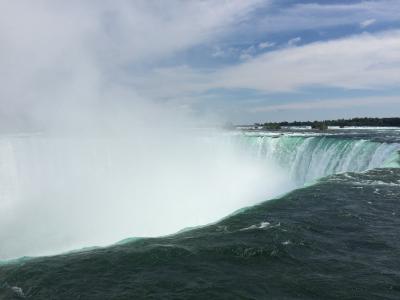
<point>379,122</point>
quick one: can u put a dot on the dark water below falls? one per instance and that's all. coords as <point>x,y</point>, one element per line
<point>336,239</point>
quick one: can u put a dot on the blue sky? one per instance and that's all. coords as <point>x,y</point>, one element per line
<point>240,61</point>
<point>287,28</point>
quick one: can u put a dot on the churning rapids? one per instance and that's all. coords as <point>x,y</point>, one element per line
<point>334,236</point>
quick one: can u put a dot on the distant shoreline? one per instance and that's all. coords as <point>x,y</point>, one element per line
<point>341,123</point>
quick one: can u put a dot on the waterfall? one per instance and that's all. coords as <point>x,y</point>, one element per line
<point>308,158</point>
<point>61,193</point>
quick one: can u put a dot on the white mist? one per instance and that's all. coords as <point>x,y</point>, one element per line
<point>107,162</point>
<point>62,193</point>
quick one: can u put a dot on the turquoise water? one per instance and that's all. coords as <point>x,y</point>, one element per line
<point>306,158</point>
<point>335,237</point>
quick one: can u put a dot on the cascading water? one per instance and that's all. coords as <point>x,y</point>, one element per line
<point>306,158</point>
<point>96,191</point>
<point>60,192</point>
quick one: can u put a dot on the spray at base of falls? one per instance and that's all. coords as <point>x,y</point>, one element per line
<point>64,193</point>
<point>59,194</point>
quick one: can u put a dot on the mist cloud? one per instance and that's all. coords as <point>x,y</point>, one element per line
<point>86,160</point>
<point>72,58</point>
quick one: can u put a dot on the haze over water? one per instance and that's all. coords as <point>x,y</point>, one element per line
<point>123,175</point>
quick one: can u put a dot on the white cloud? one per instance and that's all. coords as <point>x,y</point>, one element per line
<point>265,45</point>
<point>247,53</point>
<point>317,16</point>
<point>329,104</point>
<point>64,54</point>
<point>218,52</point>
<point>367,23</point>
<point>364,61</point>
<point>294,41</point>
<point>245,56</point>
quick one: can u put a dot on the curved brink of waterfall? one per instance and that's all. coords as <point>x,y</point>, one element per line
<point>93,179</point>
<point>307,158</point>
<point>342,230</point>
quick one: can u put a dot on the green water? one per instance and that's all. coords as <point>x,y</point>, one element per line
<point>337,238</point>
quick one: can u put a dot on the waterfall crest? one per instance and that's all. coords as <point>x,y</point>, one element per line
<point>62,193</point>
<point>308,158</point>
